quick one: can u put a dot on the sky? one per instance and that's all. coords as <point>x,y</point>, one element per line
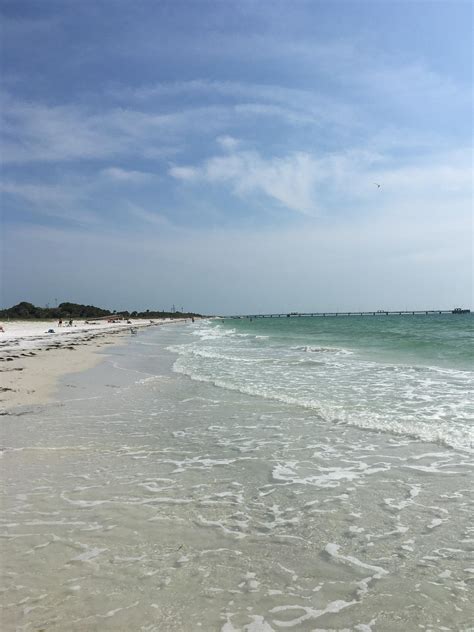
<point>224,156</point>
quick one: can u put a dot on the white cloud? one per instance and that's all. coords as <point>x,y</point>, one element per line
<point>294,181</point>
<point>311,184</point>
<point>383,82</point>
<point>39,132</point>
<point>294,105</point>
<point>289,180</point>
<point>125,175</point>
<point>228,143</point>
<point>183,173</point>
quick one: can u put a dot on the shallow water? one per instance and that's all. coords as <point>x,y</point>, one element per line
<point>146,500</point>
<point>408,375</point>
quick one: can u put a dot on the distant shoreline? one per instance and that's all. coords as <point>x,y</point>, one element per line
<point>33,360</point>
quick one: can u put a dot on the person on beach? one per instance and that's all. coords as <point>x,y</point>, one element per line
<point>60,322</point>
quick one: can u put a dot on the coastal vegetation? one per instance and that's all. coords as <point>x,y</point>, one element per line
<point>28,311</point>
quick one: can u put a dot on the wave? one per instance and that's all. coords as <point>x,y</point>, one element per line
<point>458,438</point>
<point>429,403</point>
<point>310,349</point>
<point>212,355</point>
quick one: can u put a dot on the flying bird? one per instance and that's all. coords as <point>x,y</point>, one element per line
<point>377,185</point>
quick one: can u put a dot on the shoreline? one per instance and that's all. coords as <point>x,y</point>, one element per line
<point>185,493</point>
<point>32,361</point>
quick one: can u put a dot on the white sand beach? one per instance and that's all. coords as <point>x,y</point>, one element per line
<point>32,358</point>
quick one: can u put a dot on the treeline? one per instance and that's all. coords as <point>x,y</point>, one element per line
<point>27,311</point>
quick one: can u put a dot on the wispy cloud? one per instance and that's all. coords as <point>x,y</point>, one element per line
<point>290,180</point>
<point>308,104</point>
<point>184,173</point>
<point>64,202</point>
<point>313,185</point>
<point>38,132</point>
<point>228,143</point>
<point>126,175</point>
<point>151,121</point>
<point>295,181</point>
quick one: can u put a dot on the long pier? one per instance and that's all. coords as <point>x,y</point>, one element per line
<point>399,312</point>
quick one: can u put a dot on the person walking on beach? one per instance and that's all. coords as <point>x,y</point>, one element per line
<point>60,322</point>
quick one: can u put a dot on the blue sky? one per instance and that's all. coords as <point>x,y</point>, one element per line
<point>221,156</point>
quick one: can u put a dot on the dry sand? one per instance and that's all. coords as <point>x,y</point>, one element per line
<point>32,360</point>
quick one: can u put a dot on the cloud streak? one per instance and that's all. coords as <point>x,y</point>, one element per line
<point>41,133</point>
<point>118,174</point>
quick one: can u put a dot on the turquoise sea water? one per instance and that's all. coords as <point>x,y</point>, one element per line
<point>408,375</point>
<point>435,340</point>
<point>237,476</point>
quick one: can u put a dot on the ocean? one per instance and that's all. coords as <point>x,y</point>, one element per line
<point>249,475</point>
